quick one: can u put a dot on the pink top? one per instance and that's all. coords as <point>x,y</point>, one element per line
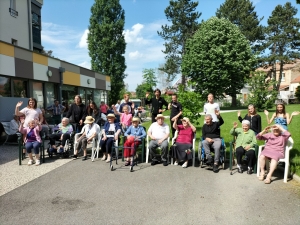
<point>126,119</point>
<point>185,135</point>
<point>36,130</point>
<point>103,108</point>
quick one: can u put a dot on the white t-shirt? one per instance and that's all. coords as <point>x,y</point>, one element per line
<point>159,131</point>
<point>30,114</point>
<point>90,130</point>
<point>210,109</point>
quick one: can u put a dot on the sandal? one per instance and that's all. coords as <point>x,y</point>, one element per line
<point>267,180</point>
<point>261,177</point>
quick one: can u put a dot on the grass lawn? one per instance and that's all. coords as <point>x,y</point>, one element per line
<point>230,117</point>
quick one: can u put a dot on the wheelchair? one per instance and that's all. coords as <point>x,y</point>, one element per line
<point>67,148</point>
<point>202,156</point>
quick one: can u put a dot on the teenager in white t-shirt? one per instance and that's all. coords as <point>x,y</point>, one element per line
<point>210,107</point>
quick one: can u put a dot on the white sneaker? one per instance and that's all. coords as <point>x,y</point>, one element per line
<point>37,162</point>
<point>184,165</point>
<point>175,163</point>
<point>30,162</point>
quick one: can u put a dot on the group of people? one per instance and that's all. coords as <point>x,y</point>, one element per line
<point>159,132</point>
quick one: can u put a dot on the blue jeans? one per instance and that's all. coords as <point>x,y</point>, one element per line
<point>35,145</point>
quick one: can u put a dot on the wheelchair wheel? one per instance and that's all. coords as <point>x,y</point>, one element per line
<point>131,168</point>
<point>201,160</point>
<point>111,168</point>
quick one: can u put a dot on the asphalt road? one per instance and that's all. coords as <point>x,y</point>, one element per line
<point>89,193</point>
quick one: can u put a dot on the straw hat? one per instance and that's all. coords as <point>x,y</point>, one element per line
<point>159,116</point>
<point>89,119</point>
<point>135,119</point>
<point>111,115</point>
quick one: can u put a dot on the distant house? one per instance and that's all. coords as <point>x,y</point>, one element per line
<point>289,81</point>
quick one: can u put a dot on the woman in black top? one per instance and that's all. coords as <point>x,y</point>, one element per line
<point>253,117</point>
<point>157,104</point>
<point>78,112</point>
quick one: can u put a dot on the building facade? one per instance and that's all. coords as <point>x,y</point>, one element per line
<point>25,72</point>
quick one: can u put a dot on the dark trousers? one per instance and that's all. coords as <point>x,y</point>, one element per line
<point>56,137</point>
<point>153,117</point>
<point>240,151</point>
<point>106,145</point>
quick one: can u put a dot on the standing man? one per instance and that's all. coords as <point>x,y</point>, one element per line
<point>176,112</point>
<point>157,104</point>
<point>211,107</point>
<point>56,111</point>
<point>159,132</point>
<point>118,105</point>
<point>126,101</point>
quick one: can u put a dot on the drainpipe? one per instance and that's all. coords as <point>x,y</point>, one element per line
<point>29,24</point>
<point>61,82</point>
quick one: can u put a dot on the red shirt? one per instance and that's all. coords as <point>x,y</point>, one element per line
<point>103,108</point>
<point>185,135</point>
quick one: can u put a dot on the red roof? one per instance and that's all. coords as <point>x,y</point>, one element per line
<point>297,80</point>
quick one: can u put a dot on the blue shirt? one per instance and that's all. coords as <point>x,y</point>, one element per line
<point>138,131</point>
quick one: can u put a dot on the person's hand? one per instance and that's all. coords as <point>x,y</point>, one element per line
<point>61,137</point>
<point>217,112</point>
<point>239,113</point>
<point>22,120</point>
<point>147,94</point>
<point>174,119</point>
<point>267,129</point>
<point>247,147</point>
<point>80,122</point>
<point>160,110</point>
<point>209,140</point>
<point>152,138</point>
<point>104,137</point>
<point>116,137</point>
<point>266,112</point>
<point>235,124</point>
<point>19,104</point>
<point>295,113</point>
<point>160,141</point>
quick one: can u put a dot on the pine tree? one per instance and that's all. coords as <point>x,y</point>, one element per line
<point>183,17</point>
<point>282,37</point>
<point>106,43</point>
<point>242,14</point>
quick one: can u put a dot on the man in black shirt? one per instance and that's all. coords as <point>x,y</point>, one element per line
<point>77,112</point>
<point>176,112</point>
<point>127,103</point>
<point>157,104</point>
<point>211,138</point>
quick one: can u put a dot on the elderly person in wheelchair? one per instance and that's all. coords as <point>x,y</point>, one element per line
<point>245,144</point>
<point>211,138</point>
<point>181,150</point>
<point>274,149</point>
<point>91,130</point>
<point>62,132</point>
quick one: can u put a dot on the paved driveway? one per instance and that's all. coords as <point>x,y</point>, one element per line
<point>89,193</point>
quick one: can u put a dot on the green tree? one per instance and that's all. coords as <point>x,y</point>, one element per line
<point>242,14</point>
<point>191,104</point>
<point>141,90</point>
<point>106,43</point>
<point>282,38</point>
<point>218,59</point>
<point>149,77</point>
<point>183,17</point>
<point>261,88</point>
<point>298,1</point>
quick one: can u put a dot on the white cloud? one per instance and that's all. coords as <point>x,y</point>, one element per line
<point>143,50</point>
<point>83,41</point>
<point>255,2</point>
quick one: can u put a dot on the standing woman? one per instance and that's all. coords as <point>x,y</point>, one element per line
<point>77,111</point>
<point>280,116</point>
<point>157,104</point>
<point>253,117</point>
<point>93,111</point>
<point>31,112</point>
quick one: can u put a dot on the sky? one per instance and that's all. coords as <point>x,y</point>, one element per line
<point>65,28</point>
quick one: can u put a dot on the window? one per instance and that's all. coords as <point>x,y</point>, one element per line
<point>68,94</point>
<point>12,9</point>
<point>283,77</point>
<point>14,42</point>
<point>97,97</point>
<point>82,94</point>
<point>19,88</point>
<point>5,87</point>
<point>50,94</point>
<point>38,93</point>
